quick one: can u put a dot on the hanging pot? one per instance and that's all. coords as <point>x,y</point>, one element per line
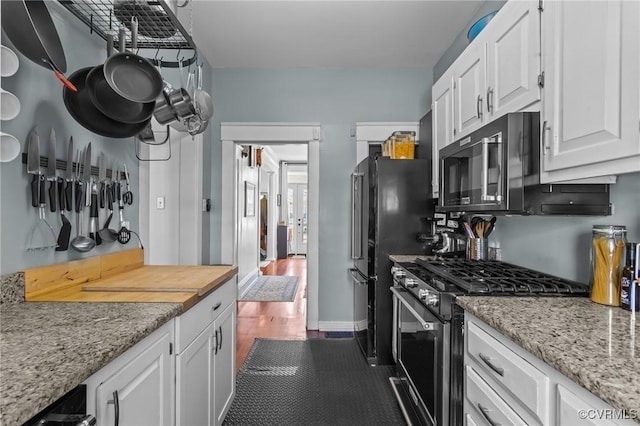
<point>83,110</point>
<point>30,28</point>
<point>109,102</point>
<point>131,76</point>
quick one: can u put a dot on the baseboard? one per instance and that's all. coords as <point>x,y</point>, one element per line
<point>249,278</point>
<point>335,325</point>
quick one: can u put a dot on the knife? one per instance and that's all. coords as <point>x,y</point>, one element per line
<point>51,170</point>
<point>86,175</point>
<point>102,178</point>
<point>79,185</point>
<point>33,167</point>
<point>68,193</point>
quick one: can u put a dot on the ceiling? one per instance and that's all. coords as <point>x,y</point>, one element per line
<point>286,152</point>
<point>326,34</point>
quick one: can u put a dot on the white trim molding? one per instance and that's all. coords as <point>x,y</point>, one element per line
<point>233,133</point>
<point>335,326</point>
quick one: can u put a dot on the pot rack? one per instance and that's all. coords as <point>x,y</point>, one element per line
<point>158,29</point>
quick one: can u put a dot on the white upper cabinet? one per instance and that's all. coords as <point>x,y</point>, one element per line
<point>442,121</point>
<point>591,105</point>
<point>513,58</point>
<point>469,88</point>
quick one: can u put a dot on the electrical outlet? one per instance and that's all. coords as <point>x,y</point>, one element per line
<point>160,203</point>
<point>452,224</point>
<point>441,218</point>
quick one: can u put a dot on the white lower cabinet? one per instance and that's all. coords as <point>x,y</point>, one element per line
<point>205,364</point>
<point>136,389</point>
<point>505,384</point>
<point>181,374</point>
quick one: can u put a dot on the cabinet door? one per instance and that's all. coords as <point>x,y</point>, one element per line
<point>140,392</point>
<point>194,394</point>
<point>224,372</point>
<point>442,122</point>
<point>513,58</point>
<point>590,107</point>
<point>469,88</point>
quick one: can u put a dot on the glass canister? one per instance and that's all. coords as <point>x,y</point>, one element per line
<point>608,245</point>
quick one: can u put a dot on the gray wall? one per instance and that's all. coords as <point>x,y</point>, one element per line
<point>40,95</point>
<point>558,245</point>
<point>337,99</point>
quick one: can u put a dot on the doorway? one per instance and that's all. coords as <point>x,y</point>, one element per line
<point>297,205</point>
<point>308,134</point>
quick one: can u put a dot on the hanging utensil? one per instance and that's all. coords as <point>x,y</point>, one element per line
<point>80,242</point>
<point>68,191</point>
<point>33,166</point>
<point>65,229</point>
<point>127,197</point>
<point>30,28</point>
<point>85,112</point>
<point>110,102</point>
<point>124,235</point>
<point>131,76</point>
<point>51,171</point>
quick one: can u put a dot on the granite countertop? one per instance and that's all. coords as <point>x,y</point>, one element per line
<point>592,344</point>
<point>48,349</point>
<point>405,258</point>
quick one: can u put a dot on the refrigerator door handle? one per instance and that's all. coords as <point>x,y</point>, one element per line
<point>356,216</point>
<point>357,277</point>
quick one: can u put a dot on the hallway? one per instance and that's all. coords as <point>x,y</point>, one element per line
<point>275,320</point>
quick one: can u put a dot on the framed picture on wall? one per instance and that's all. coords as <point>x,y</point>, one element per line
<point>249,199</point>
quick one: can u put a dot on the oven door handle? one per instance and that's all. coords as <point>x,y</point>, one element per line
<point>426,325</point>
<point>357,278</point>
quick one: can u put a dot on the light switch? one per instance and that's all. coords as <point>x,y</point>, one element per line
<point>160,203</point>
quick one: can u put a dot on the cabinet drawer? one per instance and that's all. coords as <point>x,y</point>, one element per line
<point>488,405</point>
<point>522,380</point>
<point>195,320</point>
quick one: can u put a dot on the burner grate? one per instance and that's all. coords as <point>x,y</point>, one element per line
<point>495,277</point>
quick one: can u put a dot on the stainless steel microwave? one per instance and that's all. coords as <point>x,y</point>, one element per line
<point>496,170</point>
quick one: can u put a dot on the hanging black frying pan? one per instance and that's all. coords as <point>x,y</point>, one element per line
<point>111,103</point>
<point>83,110</point>
<point>131,76</point>
<point>30,28</point>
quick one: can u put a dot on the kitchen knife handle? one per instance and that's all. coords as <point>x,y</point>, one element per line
<point>68,194</point>
<point>41,186</point>
<point>61,199</point>
<point>34,190</point>
<point>52,196</point>
<point>93,214</point>
<point>103,189</point>
<point>79,197</point>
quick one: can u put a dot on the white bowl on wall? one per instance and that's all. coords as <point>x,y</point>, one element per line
<point>9,105</point>
<point>8,62</point>
<point>9,147</point>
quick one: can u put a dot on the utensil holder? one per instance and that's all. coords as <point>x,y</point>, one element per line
<point>478,249</point>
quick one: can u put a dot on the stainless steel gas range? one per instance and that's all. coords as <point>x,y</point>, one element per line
<point>428,340</point>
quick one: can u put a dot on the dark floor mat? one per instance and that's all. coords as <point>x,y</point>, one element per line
<point>312,382</point>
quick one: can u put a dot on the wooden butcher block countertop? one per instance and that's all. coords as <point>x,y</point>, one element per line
<point>123,277</point>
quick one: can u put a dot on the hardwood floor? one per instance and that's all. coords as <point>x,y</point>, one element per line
<point>275,320</point>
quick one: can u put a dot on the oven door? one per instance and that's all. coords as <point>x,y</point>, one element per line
<point>472,174</point>
<point>423,345</point>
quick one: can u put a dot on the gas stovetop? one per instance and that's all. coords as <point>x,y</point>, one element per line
<point>500,278</point>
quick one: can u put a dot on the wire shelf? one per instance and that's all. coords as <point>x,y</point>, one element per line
<point>158,27</point>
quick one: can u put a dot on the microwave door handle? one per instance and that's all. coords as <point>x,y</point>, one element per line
<point>485,170</point>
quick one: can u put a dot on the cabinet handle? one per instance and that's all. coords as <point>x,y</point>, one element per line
<point>215,308</point>
<point>479,106</point>
<point>489,99</point>
<point>116,407</point>
<point>215,350</point>
<point>544,136</point>
<point>220,328</point>
<point>491,365</point>
<point>485,413</point>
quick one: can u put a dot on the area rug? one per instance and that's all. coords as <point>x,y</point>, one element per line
<point>312,382</point>
<point>270,288</point>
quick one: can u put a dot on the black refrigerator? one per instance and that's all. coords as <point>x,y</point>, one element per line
<point>391,200</point>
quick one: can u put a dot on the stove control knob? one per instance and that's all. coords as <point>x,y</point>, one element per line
<point>410,282</point>
<point>429,298</point>
<point>398,273</point>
